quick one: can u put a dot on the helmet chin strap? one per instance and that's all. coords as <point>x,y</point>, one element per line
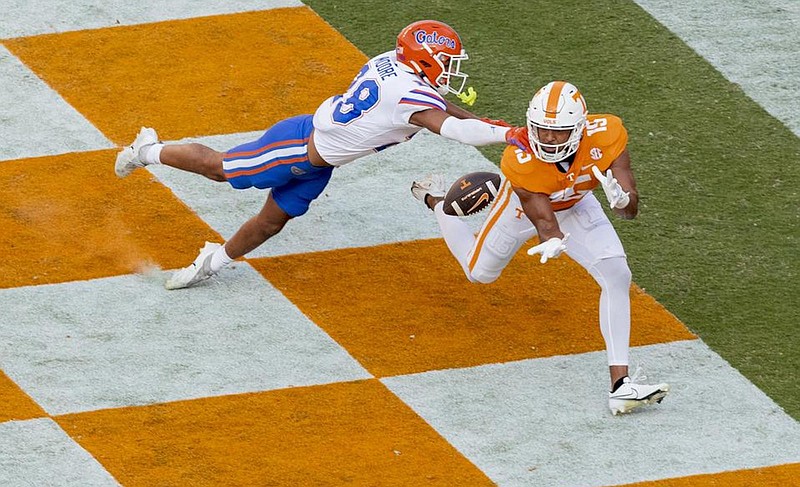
<point>442,89</point>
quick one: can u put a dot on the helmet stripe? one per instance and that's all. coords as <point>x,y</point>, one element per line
<point>552,100</point>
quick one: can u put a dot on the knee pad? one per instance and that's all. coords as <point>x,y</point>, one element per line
<point>496,252</point>
<point>483,277</point>
<point>613,272</point>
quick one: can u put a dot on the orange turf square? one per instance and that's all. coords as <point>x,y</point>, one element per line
<point>69,217</point>
<point>355,433</point>
<point>202,76</point>
<point>406,308</point>
<point>776,476</point>
<point>15,404</point>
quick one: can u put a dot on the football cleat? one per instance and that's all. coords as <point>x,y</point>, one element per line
<point>433,185</point>
<point>131,157</point>
<point>630,396</point>
<point>198,271</point>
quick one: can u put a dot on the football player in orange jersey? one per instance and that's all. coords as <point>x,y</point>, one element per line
<point>548,192</point>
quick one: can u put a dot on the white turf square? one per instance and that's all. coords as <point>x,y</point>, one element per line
<point>39,453</point>
<point>754,44</point>
<point>546,421</point>
<point>367,202</point>
<point>28,18</point>
<point>35,120</point>
<point>127,341</point>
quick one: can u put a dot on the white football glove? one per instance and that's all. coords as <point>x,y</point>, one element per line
<point>550,249</point>
<point>617,198</point>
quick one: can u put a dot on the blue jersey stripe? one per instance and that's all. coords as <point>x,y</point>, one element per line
<point>427,103</point>
<point>430,95</point>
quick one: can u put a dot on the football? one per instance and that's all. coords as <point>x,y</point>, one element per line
<point>471,193</point>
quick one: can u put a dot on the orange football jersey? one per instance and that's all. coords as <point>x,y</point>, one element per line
<point>604,139</point>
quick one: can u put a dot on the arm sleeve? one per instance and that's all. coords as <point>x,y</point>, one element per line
<point>472,132</point>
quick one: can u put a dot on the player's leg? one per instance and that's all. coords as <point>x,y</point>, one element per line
<point>284,202</point>
<point>458,236</point>
<point>147,150</point>
<point>505,230</point>
<point>193,157</point>
<point>595,245</point>
<point>214,257</point>
<point>277,160</point>
<point>257,230</point>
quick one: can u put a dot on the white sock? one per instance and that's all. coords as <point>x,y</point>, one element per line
<point>219,260</point>
<point>152,154</point>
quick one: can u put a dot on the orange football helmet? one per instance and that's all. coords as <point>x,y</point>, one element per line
<point>433,51</point>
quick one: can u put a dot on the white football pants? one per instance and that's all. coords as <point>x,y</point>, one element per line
<point>593,243</point>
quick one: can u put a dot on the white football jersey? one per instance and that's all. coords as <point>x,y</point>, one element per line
<point>373,114</point>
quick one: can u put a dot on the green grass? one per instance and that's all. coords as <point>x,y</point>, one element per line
<point>717,238</point>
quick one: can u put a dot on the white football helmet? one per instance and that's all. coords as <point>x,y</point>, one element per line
<point>556,106</point>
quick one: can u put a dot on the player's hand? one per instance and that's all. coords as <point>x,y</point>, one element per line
<point>518,136</point>
<point>617,197</point>
<point>498,122</point>
<point>550,249</point>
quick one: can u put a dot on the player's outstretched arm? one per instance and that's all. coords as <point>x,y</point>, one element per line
<point>540,212</point>
<point>460,113</point>
<point>469,131</point>
<point>463,114</point>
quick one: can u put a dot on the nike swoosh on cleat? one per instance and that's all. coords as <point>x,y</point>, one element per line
<point>634,394</point>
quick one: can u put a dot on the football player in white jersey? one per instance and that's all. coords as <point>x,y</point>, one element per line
<point>395,95</point>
